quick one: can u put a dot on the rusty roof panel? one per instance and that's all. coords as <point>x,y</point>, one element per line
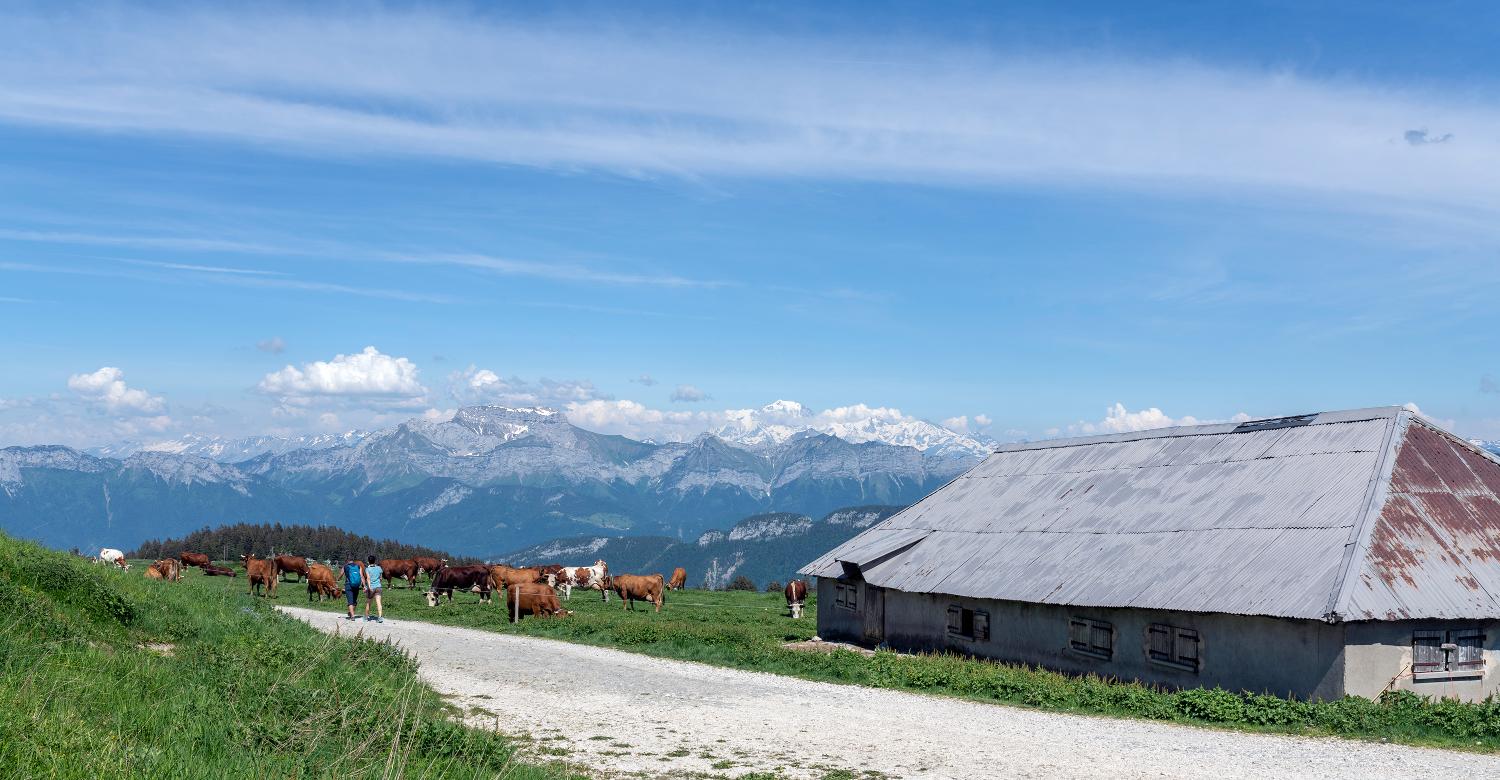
<point>1434,550</point>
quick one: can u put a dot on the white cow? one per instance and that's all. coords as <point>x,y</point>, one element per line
<point>595,577</point>
<point>111,555</point>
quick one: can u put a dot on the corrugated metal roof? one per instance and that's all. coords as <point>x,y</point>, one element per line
<point>1211,518</point>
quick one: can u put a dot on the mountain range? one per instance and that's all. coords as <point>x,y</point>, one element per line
<point>491,478</point>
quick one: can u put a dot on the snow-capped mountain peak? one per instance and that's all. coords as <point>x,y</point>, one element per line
<point>780,421</point>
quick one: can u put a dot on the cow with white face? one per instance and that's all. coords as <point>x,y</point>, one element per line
<point>111,555</point>
<point>594,577</point>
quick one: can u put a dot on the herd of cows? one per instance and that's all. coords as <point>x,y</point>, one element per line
<point>528,590</point>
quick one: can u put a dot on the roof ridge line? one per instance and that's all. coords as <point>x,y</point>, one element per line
<point>1364,525</point>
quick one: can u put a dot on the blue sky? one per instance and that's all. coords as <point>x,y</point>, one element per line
<point>1015,215</point>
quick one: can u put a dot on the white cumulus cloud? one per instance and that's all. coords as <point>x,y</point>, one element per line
<point>369,377</point>
<point>106,388</point>
<point>1118,419</point>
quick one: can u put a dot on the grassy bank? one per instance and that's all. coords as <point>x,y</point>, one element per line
<point>106,674</point>
<point>748,630</point>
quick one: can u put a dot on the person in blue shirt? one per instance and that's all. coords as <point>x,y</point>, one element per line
<point>372,590</point>
<point>354,580</point>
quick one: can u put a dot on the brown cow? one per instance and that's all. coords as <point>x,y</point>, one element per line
<point>459,578</point>
<point>531,598</point>
<point>260,572</point>
<point>218,571</point>
<point>502,576</point>
<point>291,563</point>
<point>633,586</point>
<point>400,567</point>
<point>153,573</point>
<point>679,579</point>
<point>429,565</point>
<point>193,559</point>
<point>320,582</point>
<point>796,593</point>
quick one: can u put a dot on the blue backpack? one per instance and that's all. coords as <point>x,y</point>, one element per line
<point>351,573</point>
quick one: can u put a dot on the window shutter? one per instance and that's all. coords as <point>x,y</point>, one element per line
<point>955,619</point>
<point>1427,651</point>
<point>1187,647</point>
<point>1470,652</point>
<point>1102,639</point>
<point>1160,642</point>
<point>981,625</point>
<point>1078,634</point>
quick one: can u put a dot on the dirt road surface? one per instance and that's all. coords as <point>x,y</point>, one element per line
<point>620,715</point>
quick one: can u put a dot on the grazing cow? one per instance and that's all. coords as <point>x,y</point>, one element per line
<point>320,582</point>
<point>461,578</point>
<point>502,576</point>
<point>111,555</point>
<point>218,571</point>
<point>193,559</point>
<point>796,593</point>
<point>261,572</point>
<point>679,579</point>
<point>630,587</point>
<point>395,568</point>
<point>170,569</point>
<point>291,563</point>
<point>594,577</point>
<point>429,565</point>
<point>531,598</point>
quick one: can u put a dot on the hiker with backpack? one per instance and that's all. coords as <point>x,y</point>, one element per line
<point>354,581</point>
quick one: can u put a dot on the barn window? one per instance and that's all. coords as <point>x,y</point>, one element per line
<point>845,596</point>
<point>1455,653</point>
<point>1179,648</point>
<point>1091,637</point>
<point>968,623</point>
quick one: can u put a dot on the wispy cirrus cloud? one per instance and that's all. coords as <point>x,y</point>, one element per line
<point>691,103</point>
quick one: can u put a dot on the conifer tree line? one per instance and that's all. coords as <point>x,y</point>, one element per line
<point>323,542</point>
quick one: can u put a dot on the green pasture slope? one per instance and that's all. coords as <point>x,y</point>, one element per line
<point>747,630</point>
<point>105,674</point>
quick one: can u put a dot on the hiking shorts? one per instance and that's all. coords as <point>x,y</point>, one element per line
<point>351,594</point>
<point>374,592</point>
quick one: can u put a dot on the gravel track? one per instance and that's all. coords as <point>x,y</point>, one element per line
<point>622,714</point>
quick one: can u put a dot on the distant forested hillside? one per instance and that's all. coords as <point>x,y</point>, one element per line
<point>765,548</point>
<point>323,542</point>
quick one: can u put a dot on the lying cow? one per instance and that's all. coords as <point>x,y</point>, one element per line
<point>260,572</point>
<point>595,577</point>
<point>402,568</point>
<point>679,579</point>
<point>193,559</point>
<point>630,587</point>
<point>460,578</point>
<point>153,573</point>
<point>219,571</point>
<point>169,569</point>
<point>533,599</point>
<point>111,555</point>
<point>291,563</point>
<point>796,594</point>
<point>320,582</point>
